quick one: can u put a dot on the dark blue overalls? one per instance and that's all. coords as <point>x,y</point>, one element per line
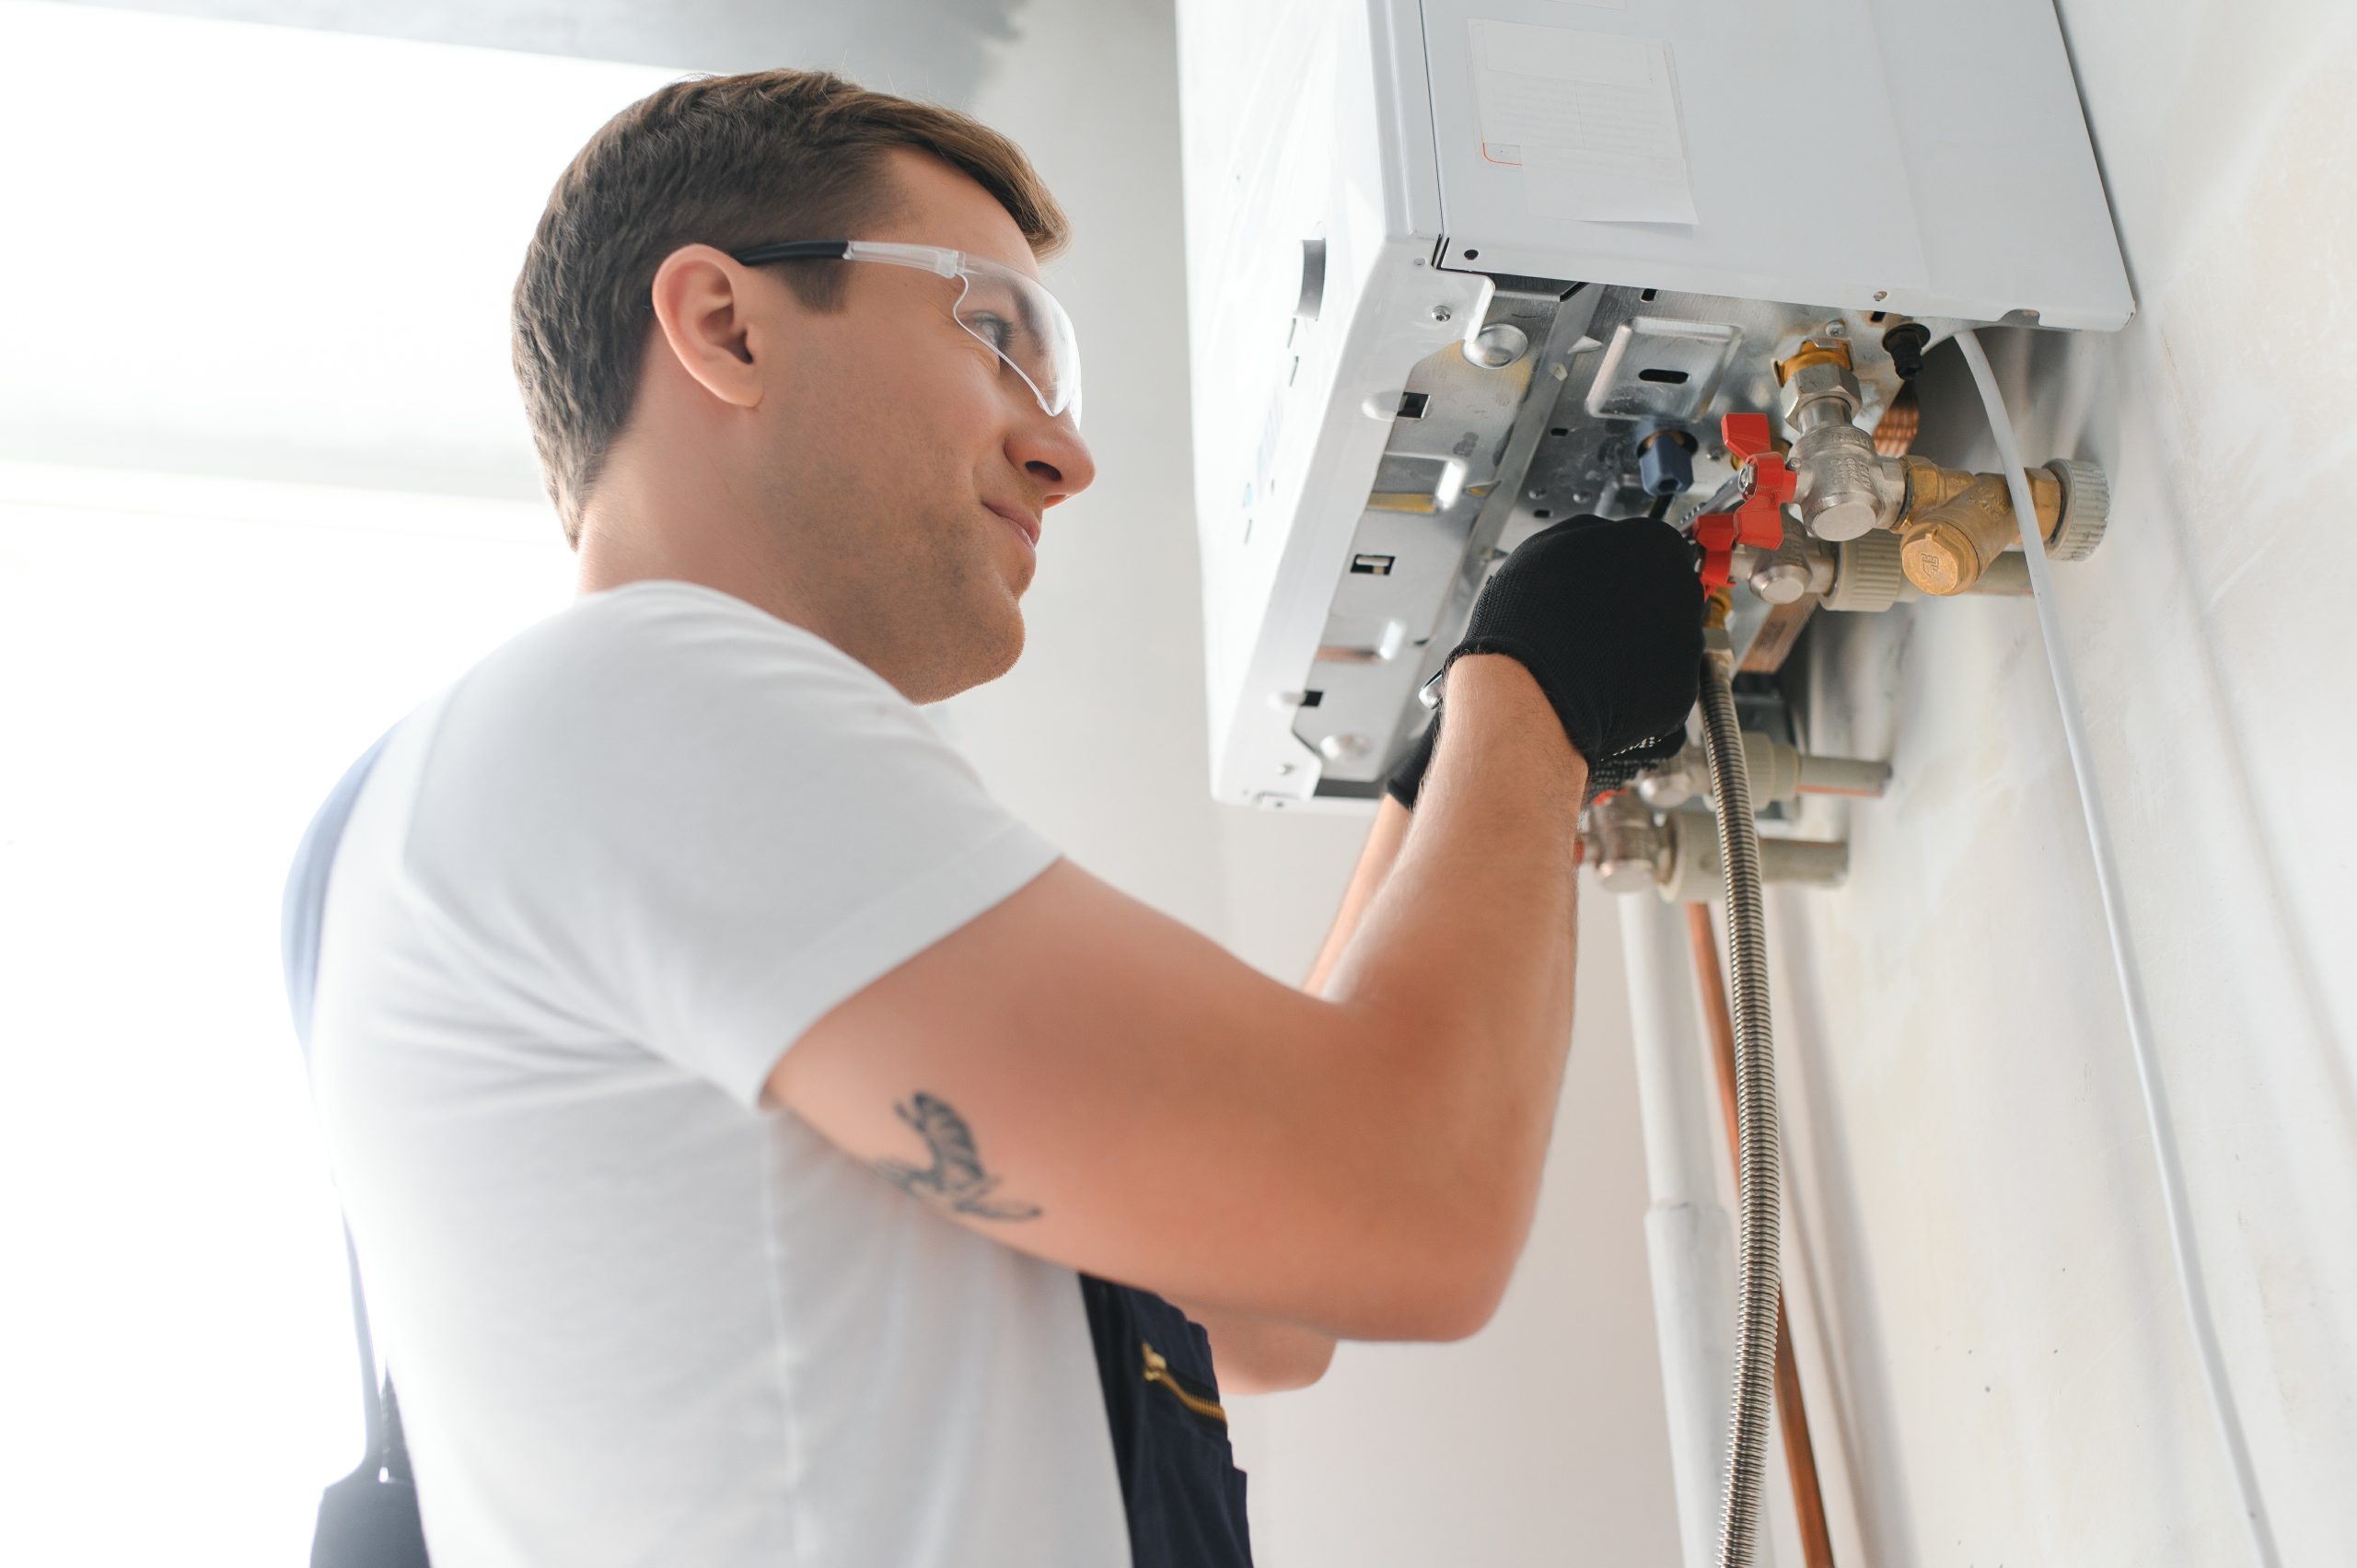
<point>1179,1486</point>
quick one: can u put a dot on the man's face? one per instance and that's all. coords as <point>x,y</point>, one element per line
<point>907,463</point>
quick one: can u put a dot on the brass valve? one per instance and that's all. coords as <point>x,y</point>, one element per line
<point>1945,548</point>
<point>1814,351</point>
<point>1954,524</point>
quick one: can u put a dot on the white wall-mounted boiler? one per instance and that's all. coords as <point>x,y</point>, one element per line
<point>1456,267</point>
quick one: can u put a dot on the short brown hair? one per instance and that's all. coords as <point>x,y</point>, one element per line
<point>726,161</point>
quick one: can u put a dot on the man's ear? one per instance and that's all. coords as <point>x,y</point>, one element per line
<point>700,298</point>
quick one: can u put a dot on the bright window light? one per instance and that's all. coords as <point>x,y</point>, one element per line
<point>267,250</point>
<point>232,251</point>
<point>191,664</point>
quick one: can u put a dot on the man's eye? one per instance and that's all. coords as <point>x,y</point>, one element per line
<point>992,329</point>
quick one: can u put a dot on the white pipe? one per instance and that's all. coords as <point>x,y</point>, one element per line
<point>2193,1294</point>
<point>1690,1242</point>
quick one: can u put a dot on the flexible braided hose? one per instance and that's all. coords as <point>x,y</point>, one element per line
<point>1758,1271</point>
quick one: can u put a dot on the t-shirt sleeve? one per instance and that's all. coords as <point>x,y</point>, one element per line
<point>675,817</point>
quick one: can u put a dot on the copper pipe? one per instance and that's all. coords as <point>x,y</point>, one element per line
<point>1800,1455</point>
<point>1894,432</point>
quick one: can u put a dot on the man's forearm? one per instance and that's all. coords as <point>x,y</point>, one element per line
<point>1462,964</point>
<point>1264,1354</point>
<point>1484,878</point>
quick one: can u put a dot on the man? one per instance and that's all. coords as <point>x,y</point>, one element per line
<point>732,1105</point>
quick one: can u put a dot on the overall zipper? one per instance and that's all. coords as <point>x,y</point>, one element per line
<point>1157,1370</point>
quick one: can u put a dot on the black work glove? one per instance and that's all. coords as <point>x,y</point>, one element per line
<point>1608,618</point>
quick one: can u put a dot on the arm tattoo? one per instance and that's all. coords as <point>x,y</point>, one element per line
<point>955,1179</point>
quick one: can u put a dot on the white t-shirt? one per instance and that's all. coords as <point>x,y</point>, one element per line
<point>588,897</point>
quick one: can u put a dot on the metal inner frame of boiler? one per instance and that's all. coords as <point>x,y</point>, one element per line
<point>1483,455</point>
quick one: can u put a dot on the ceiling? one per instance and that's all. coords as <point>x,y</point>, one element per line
<point>932,48</point>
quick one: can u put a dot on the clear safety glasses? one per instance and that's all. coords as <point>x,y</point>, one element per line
<point>1019,320</point>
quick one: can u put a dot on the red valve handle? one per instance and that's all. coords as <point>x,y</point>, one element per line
<point>1758,520</point>
<point>1745,435</point>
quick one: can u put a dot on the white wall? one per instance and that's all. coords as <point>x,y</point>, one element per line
<point>1980,1219</point>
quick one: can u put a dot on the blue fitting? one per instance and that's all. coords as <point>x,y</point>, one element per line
<point>1665,457</point>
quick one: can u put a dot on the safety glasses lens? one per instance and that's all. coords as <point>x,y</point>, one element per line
<point>1023,325</point>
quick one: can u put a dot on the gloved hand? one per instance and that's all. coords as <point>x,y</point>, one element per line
<point>1607,617</point>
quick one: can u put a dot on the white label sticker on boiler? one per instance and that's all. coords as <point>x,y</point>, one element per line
<point>1589,118</point>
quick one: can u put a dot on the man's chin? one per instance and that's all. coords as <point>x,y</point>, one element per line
<point>1007,646</point>
<point>993,649</point>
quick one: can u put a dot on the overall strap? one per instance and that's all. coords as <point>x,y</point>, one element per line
<point>368,1519</point>
<point>303,910</point>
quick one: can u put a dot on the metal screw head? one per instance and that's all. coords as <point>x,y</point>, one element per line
<point>1441,312</point>
<point>1497,345</point>
<point>1345,748</point>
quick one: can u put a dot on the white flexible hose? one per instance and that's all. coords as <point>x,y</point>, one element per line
<point>2182,1245</point>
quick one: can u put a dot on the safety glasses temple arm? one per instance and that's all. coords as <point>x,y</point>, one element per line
<point>792,251</point>
<point>923,258</point>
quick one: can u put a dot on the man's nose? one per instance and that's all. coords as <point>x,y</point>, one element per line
<point>1052,453</point>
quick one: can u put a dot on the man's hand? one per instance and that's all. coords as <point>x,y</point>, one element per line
<point>1607,617</point>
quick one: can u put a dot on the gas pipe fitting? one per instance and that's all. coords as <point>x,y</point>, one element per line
<point>1676,853</point>
<point>1779,773</point>
<point>1955,524</point>
<point>1765,484</point>
<point>1844,485</point>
